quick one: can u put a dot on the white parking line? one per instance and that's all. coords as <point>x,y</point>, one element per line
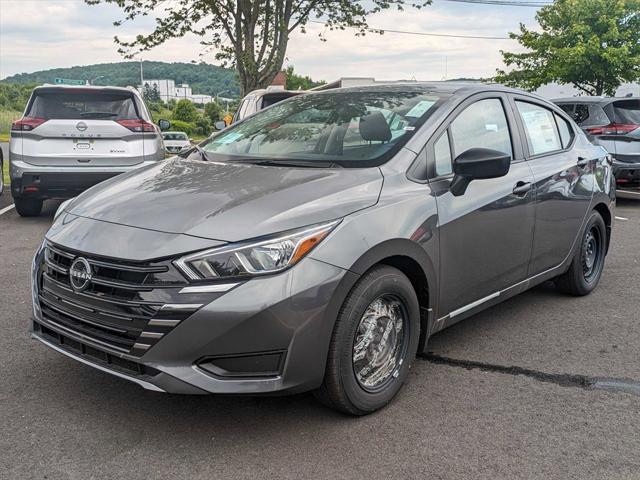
<point>622,218</point>
<point>627,192</point>
<point>6,209</point>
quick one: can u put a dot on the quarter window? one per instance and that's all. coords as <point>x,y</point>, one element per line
<point>540,127</point>
<point>442,154</point>
<point>482,125</point>
<point>566,132</point>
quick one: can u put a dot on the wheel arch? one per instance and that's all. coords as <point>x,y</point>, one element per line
<point>606,215</point>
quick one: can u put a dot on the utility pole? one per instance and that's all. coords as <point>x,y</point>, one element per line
<point>141,75</point>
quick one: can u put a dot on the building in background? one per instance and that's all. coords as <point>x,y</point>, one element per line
<point>168,90</point>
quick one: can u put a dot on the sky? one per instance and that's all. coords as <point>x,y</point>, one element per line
<point>43,34</point>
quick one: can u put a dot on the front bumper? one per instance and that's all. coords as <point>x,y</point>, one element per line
<point>266,335</point>
<point>32,181</point>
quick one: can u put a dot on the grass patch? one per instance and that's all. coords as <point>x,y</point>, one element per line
<point>7,117</point>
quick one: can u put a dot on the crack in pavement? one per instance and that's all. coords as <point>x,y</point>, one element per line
<point>616,385</point>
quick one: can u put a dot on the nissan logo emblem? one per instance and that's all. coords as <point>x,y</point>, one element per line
<point>81,126</point>
<point>80,274</point>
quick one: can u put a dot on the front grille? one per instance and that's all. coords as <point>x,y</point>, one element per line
<point>116,308</point>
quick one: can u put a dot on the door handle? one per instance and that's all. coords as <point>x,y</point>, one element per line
<point>583,162</point>
<point>522,188</point>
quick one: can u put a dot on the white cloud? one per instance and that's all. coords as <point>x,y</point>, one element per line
<point>42,34</point>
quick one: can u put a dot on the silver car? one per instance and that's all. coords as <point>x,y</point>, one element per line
<point>71,138</point>
<point>175,142</point>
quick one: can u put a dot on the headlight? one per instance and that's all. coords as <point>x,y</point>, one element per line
<point>254,258</point>
<point>61,208</point>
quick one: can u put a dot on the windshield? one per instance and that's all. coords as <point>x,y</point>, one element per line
<point>82,105</point>
<point>174,136</point>
<point>347,128</point>
<point>627,111</point>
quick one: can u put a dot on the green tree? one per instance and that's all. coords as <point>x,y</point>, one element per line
<point>185,111</point>
<point>250,35</point>
<point>298,82</point>
<point>591,44</point>
<point>213,112</point>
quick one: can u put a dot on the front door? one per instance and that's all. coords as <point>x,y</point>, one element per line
<point>486,233</point>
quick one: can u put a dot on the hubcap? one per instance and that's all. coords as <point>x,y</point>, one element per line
<point>590,253</point>
<point>379,343</point>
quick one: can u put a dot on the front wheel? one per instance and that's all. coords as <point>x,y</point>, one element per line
<point>588,261</point>
<point>374,342</point>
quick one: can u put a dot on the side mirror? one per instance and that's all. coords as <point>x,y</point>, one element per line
<point>220,125</point>
<point>478,164</point>
<point>164,124</point>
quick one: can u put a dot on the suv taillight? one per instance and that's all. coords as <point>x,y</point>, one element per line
<point>612,129</point>
<point>26,124</point>
<point>137,125</point>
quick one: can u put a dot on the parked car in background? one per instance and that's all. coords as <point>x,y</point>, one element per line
<point>73,137</point>
<point>260,99</point>
<point>175,142</point>
<point>318,244</point>
<point>613,123</point>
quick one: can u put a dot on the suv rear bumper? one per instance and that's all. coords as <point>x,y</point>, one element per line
<point>627,174</point>
<point>32,181</point>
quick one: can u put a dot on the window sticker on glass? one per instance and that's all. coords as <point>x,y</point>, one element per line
<point>228,138</point>
<point>491,127</point>
<point>420,108</point>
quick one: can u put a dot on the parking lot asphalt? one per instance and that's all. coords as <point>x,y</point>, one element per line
<point>464,413</point>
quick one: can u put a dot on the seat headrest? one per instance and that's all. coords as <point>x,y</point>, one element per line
<point>374,127</point>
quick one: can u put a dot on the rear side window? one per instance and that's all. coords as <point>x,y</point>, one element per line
<point>482,125</point>
<point>540,127</point>
<point>566,132</point>
<point>586,114</point>
<point>627,112</point>
<point>568,108</point>
<point>83,105</point>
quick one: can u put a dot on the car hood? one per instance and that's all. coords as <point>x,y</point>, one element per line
<point>228,201</point>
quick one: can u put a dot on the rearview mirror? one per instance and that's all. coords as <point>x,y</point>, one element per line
<point>164,124</point>
<point>220,125</point>
<point>478,164</point>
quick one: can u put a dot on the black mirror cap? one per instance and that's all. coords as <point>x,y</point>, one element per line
<point>164,124</point>
<point>482,163</point>
<point>220,125</point>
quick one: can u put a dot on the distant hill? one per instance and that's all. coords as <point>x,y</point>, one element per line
<point>203,78</point>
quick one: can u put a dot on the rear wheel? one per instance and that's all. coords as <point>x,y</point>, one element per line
<point>28,207</point>
<point>374,343</point>
<point>588,261</point>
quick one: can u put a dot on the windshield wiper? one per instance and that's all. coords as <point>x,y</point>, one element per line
<point>290,163</point>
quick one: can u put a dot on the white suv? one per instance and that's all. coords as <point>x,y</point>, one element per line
<point>71,138</point>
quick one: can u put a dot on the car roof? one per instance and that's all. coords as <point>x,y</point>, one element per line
<point>49,87</point>
<point>591,100</point>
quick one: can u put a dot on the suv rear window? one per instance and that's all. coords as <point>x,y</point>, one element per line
<point>627,111</point>
<point>82,105</point>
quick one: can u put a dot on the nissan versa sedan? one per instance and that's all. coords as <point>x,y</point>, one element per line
<point>318,244</point>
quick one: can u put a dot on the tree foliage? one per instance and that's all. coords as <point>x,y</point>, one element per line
<point>213,112</point>
<point>299,82</point>
<point>592,44</point>
<point>185,111</point>
<point>250,35</point>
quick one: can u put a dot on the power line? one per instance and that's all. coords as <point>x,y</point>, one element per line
<point>424,34</point>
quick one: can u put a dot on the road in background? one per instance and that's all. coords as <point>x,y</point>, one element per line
<point>453,420</point>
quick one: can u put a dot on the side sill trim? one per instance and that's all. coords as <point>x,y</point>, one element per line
<point>142,383</point>
<point>461,310</point>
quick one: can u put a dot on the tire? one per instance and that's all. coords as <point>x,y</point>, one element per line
<point>382,290</point>
<point>28,207</point>
<point>1,174</point>
<point>588,261</point>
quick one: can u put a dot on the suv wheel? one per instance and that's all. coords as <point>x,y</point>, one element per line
<point>28,207</point>
<point>374,343</point>
<point>588,261</point>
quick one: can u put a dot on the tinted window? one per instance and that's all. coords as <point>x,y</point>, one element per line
<point>174,136</point>
<point>590,115</point>
<point>568,108</point>
<point>351,128</point>
<point>581,113</point>
<point>83,105</point>
<point>566,132</point>
<point>481,125</point>
<point>540,127</point>
<point>627,112</point>
<point>442,154</point>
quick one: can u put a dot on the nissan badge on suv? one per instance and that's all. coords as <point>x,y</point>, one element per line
<point>318,244</point>
<point>71,138</point>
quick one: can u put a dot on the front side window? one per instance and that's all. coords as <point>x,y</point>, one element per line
<point>482,125</point>
<point>350,128</point>
<point>540,128</point>
<point>442,154</point>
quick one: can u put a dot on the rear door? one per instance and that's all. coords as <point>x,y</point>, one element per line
<point>88,127</point>
<point>486,233</point>
<point>564,181</point>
